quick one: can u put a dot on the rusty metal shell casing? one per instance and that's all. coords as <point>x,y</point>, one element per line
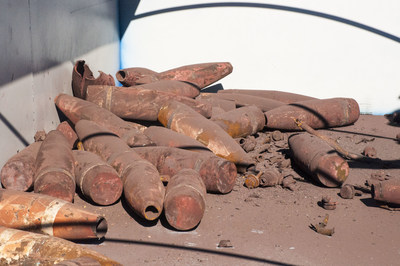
<point>318,159</point>
<point>65,128</point>
<point>387,190</point>
<point>226,105</point>
<point>315,113</point>
<point>183,119</point>
<point>172,86</point>
<point>185,202</point>
<point>285,97</point>
<point>18,172</point>
<point>241,122</point>
<point>200,75</point>
<point>76,109</point>
<point>97,180</point>
<point>143,188</point>
<point>240,100</point>
<point>139,104</point>
<point>81,261</point>
<point>218,174</point>
<point>82,77</point>
<point>163,136</point>
<point>48,215</point>
<point>54,168</point>
<point>19,247</point>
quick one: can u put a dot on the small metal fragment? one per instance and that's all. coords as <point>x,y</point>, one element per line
<point>320,228</point>
<point>253,181</point>
<point>225,244</point>
<point>347,191</point>
<point>327,203</point>
<point>370,152</point>
<point>277,135</point>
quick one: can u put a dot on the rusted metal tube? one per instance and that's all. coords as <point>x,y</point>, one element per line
<point>76,109</point>
<point>244,100</point>
<point>285,97</point>
<point>172,86</point>
<point>143,188</point>
<point>82,261</point>
<point>199,75</point>
<point>226,105</point>
<point>82,77</point>
<point>388,190</point>
<point>315,113</point>
<point>18,172</point>
<point>136,103</point>
<point>97,180</point>
<point>19,247</point>
<point>48,215</point>
<point>65,128</point>
<point>183,119</point>
<point>54,168</point>
<point>241,122</point>
<point>218,174</point>
<point>185,202</point>
<point>318,159</point>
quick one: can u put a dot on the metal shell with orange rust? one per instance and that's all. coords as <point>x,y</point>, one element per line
<point>218,174</point>
<point>387,191</point>
<point>285,97</point>
<point>48,215</point>
<point>183,119</point>
<point>163,136</point>
<point>318,159</point>
<point>18,172</point>
<point>241,122</point>
<point>200,75</point>
<point>137,103</point>
<point>324,113</point>
<point>143,188</point>
<point>19,247</point>
<point>172,86</point>
<point>76,109</point>
<point>185,202</point>
<point>54,168</point>
<point>65,128</point>
<point>244,100</point>
<point>97,180</point>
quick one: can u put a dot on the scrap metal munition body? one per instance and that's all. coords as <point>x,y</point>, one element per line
<point>172,86</point>
<point>318,159</point>
<point>387,191</point>
<point>48,215</point>
<point>65,128</point>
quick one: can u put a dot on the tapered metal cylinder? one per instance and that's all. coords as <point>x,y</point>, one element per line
<point>19,247</point>
<point>318,159</point>
<point>163,136</point>
<point>200,75</point>
<point>48,215</point>
<point>76,109</point>
<point>172,86</point>
<point>82,77</point>
<point>285,97</point>
<point>241,122</point>
<point>65,128</point>
<point>139,104</point>
<point>97,180</point>
<point>226,105</point>
<point>183,119</point>
<point>388,191</point>
<point>54,168</point>
<point>82,261</point>
<point>185,202</point>
<point>324,113</point>
<point>18,172</point>
<point>143,188</point>
<point>218,174</point>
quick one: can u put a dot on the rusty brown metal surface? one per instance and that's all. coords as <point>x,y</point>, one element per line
<point>54,168</point>
<point>18,172</point>
<point>19,247</point>
<point>324,113</point>
<point>285,97</point>
<point>241,122</point>
<point>76,109</point>
<point>82,261</point>
<point>218,174</point>
<point>240,100</point>
<point>318,159</point>
<point>48,215</point>
<point>387,191</point>
<point>200,75</point>
<point>172,86</point>
<point>137,103</point>
<point>163,136</point>
<point>183,119</point>
<point>143,188</point>
<point>226,105</point>
<point>185,202</point>
<point>82,77</point>
<point>97,180</point>
<point>65,128</point>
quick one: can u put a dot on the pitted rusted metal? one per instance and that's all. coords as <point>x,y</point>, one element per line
<point>172,86</point>
<point>65,128</point>
<point>387,190</point>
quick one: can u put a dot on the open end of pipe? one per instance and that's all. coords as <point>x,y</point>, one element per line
<point>121,75</point>
<point>101,227</point>
<point>151,213</point>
